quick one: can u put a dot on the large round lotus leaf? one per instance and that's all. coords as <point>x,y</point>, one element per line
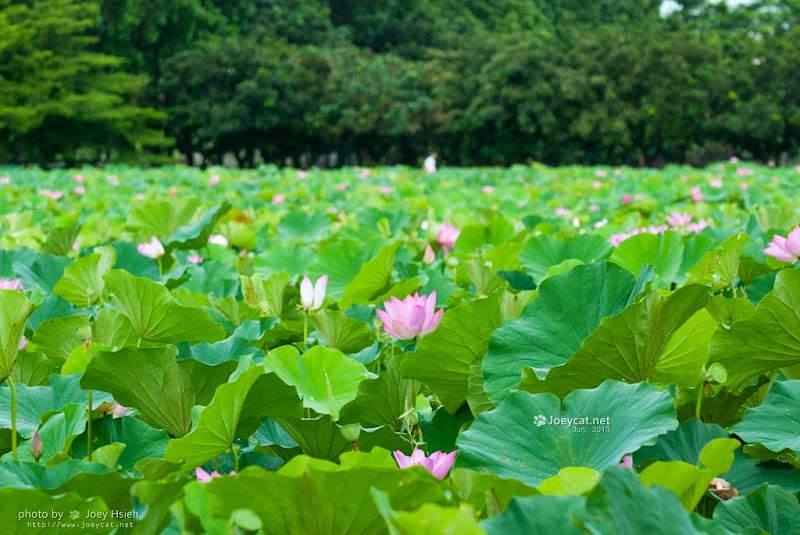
<point>527,437</point>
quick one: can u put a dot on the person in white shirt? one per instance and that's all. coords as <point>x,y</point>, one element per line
<point>430,163</point>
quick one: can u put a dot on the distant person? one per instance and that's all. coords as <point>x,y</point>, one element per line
<point>429,165</point>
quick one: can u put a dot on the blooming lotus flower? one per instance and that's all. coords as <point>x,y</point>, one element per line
<point>278,199</point>
<point>412,317</point>
<point>437,463</point>
<point>113,180</point>
<point>364,174</point>
<point>697,195</point>
<point>447,236</point>
<point>716,182</point>
<point>429,255</point>
<point>594,208</point>
<point>312,296</point>
<point>55,195</point>
<point>5,180</point>
<point>385,190</point>
<point>626,200</point>
<point>734,159</point>
<point>697,227</point>
<point>213,181</point>
<point>487,189</point>
<point>195,259</point>
<point>744,185</point>
<point>173,191</point>
<point>600,224</point>
<point>205,477</point>
<point>678,219</point>
<point>601,173</point>
<point>744,171</point>
<point>785,249</point>
<point>597,184</point>
<point>80,190</point>
<point>11,284</point>
<point>78,179</point>
<point>627,462</point>
<point>151,249</point>
<point>218,239</point>
<point>341,186</point>
<point>561,211</point>
<point>302,175</point>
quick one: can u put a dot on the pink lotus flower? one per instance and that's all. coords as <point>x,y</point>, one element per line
<point>173,191</point>
<point>626,200</point>
<point>734,159</point>
<point>697,227</point>
<point>195,259</point>
<point>23,344</point>
<point>205,477</point>
<point>561,211</point>
<point>76,246</point>
<point>113,180</point>
<point>601,173</point>
<point>697,195</point>
<point>678,219</point>
<point>785,249</point>
<point>716,182</point>
<point>78,179</point>
<point>744,171</point>
<point>55,195</point>
<point>429,255</point>
<point>341,186</point>
<point>11,284</point>
<point>487,189</point>
<point>139,196</point>
<point>312,296</point>
<point>37,447</point>
<point>447,236</point>
<point>302,175</point>
<point>627,462</point>
<point>80,190</point>
<point>594,208</point>
<point>744,186</point>
<point>385,190</point>
<point>597,184</point>
<point>364,174</point>
<point>342,216</point>
<point>5,180</point>
<point>218,239</point>
<point>213,180</point>
<point>600,224</point>
<point>438,463</point>
<point>278,199</point>
<point>117,410</point>
<point>151,249</point>
<point>413,317</point>
<point>617,172</point>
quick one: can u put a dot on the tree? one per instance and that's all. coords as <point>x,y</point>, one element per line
<point>61,99</point>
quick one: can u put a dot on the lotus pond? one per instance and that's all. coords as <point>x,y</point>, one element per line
<point>361,351</point>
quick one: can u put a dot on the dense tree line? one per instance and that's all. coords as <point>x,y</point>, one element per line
<point>481,82</point>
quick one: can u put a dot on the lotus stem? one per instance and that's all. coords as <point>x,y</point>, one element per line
<point>305,330</point>
<point>10,382</point>
<point>89,429</point>
<point>235,458</point>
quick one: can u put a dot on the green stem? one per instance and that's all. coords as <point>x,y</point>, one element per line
<point>305,330</point>
<point>160,274</point>
<point>10,382</point>
<point>235,459</point>
<point>89,429</point>
<point>699,400</point>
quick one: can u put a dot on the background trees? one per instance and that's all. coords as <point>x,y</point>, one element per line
<point>349,81</point>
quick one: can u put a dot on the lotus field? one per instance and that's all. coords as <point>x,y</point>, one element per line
<point>365,351</point>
